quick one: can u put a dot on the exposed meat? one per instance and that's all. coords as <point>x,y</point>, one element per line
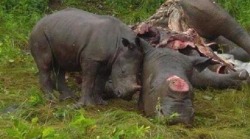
<point>188,43</point>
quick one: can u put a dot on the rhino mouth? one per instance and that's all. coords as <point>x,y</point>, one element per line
<point>180,121</point>
<point>176,118</point>
<point>127,97</point>
<point>127,93</point>
<point>176,112</point>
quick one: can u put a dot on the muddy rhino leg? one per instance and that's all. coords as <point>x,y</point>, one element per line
<point>99,89</point>
<point>65,92</point>
<point>207,78</point>
<point>46,84</point>
<point>43,58</point>
<point>89,74</point>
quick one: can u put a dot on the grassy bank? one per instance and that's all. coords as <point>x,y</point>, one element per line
<point>222,114</point>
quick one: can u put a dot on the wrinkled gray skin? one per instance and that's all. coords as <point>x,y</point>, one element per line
<point>211,21</point>
<point>98,46</point>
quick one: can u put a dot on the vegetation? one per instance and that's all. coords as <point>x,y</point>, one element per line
<point>222,114</point>
<point>238,9</point>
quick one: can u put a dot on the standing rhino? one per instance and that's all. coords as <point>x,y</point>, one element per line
<point>98,46</point>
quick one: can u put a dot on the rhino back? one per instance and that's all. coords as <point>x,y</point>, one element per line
<point>165,62</point>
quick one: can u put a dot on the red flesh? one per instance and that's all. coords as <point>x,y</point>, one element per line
<point>177,84</point>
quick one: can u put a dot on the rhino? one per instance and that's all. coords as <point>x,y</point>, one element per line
<point>168,78</point>
<point>98,46</point>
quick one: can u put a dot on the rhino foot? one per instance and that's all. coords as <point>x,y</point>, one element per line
<point>67,95</point>
<point>50,97</point>
<point>100,101</point>
<point>243,75</point>
<point>89,101</point>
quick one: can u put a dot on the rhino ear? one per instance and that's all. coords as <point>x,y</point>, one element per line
<point>137,41</point>
<point>200,63</point>
<point>127,43</point>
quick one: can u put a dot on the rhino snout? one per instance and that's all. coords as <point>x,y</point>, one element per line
<point>178,111</point>
<point>127,93</point>
<point>184,116</point>
<point>183,120</point>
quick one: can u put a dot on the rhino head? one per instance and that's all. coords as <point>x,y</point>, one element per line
<point>167,91</point>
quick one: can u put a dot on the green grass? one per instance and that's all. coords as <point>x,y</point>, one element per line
<point>238,9</point>
<point>25,114</point>
<point>222,114</point>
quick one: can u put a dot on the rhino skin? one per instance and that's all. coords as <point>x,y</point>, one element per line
<point>207,78</point>
<point>97,45</point>
<point>212,21</point>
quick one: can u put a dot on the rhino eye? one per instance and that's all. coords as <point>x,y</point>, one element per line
<point>122,70</point>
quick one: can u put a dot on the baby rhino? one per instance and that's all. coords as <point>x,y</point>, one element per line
<point>98,46</point>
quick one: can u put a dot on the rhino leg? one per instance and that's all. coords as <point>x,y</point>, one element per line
<point>207,78</point>
<point>240,54</point>
<point>109,90</point>
<point>231,48</point>
<point>99,89</point>
<point>43,57</point>
<point>65,92</point>
<point>89,76</point>
<point>46,83</point>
